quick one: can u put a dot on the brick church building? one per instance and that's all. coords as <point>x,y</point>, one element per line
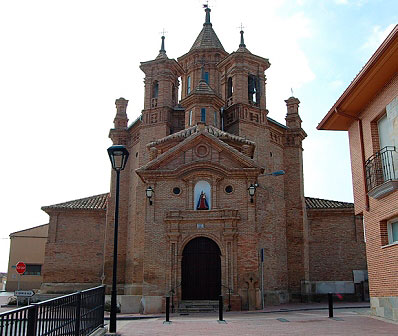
<point>201,233</point>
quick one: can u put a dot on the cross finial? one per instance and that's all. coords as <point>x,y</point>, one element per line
<point>291,90</point>
<point>242,41</point>
<point>207,10</point>
<point>162,50</point>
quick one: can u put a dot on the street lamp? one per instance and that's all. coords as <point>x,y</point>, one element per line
<point>118,155</point>
<point>252,191</point>
<point>276,173</point>
<point>149,193</point>
<point>253,187</point>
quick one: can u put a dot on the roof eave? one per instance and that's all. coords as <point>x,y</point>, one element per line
<point>334,121</point>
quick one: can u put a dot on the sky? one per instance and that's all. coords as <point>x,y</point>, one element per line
<point>63,64</point>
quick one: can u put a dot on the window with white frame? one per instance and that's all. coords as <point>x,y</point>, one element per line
<point>392,229</point>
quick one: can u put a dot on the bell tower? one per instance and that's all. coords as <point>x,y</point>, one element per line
<point>201,91</point>
<point>243,88</point>
<point>161,89</point>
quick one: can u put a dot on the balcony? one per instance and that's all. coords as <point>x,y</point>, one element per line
<point>382,172</point>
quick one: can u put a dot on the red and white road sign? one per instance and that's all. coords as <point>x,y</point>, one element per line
<point>21,267</point>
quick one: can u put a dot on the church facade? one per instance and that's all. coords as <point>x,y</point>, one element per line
<point>218,222</point>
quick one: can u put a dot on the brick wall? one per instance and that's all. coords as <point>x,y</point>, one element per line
<point>336,244</point>
<point>382,261</point>
<point>75,246</point>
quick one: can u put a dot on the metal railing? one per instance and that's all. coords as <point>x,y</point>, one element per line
<point>381,167</point>
<point>74,314</point>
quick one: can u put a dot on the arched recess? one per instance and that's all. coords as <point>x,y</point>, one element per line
<point>202,186</point>
<point>201,270</point>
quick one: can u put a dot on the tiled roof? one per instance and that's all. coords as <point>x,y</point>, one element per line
<point>97,202</point>
<point>207,39</point>
<point>185,133</point>
<point>319,203</point>
<point>276,123</point>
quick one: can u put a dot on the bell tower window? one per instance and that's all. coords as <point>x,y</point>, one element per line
<point>188,84</point>
<point>206,77</point>
<point>155,89</point>
<point>230,88</point>
<point>253,91</point>
<point>203,115</point>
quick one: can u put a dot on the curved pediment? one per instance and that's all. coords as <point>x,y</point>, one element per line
<point>200,152</point>
<point>239,143</point>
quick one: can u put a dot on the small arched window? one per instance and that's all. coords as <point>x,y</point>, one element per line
<point>155,89</point>
<point>253,89</point>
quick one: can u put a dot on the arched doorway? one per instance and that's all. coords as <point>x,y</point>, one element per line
<point>201,270</point>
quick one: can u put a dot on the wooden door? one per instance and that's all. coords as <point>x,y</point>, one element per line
<point>201,270</point>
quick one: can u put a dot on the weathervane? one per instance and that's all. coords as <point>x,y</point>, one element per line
<point>163,32</point>
<point>241,26</point>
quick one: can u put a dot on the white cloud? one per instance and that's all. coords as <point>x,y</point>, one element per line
<point>341,2</point>
<point>336,84</point>
<point>377,36</point>
<point>357,3</point>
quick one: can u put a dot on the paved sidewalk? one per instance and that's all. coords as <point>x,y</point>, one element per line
<point>268,309</point>
<point>347,321</point>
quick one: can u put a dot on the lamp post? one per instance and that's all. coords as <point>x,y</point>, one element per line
<point>149,193</point>
<point>118,155</point>
<point>252,191</point>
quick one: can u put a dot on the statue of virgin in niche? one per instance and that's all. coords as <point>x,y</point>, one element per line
<point>202,203</point>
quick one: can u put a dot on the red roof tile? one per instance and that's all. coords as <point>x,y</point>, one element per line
<point>97,202</point>
<point>319,203</point>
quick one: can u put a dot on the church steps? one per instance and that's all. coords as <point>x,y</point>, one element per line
<point>197,306</point>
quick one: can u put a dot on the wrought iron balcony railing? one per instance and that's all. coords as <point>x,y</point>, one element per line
<point>381,167</point>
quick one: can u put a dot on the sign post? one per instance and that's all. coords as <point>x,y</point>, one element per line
<point>24,293</point>
<point>262,277</point>
<point>20,268</point>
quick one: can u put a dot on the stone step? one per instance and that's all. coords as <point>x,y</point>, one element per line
<point>197,306</point>
<point>198,303</point>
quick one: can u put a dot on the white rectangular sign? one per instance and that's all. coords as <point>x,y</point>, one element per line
<point>24,293</point>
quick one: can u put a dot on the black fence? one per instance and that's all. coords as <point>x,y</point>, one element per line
<point>380,167</point>
<point>75,314</point>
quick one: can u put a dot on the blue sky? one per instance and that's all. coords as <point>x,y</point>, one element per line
<point>63,64</point>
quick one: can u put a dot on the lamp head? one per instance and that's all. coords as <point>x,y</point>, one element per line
<point>118,154</point>
<point>277,173</point>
